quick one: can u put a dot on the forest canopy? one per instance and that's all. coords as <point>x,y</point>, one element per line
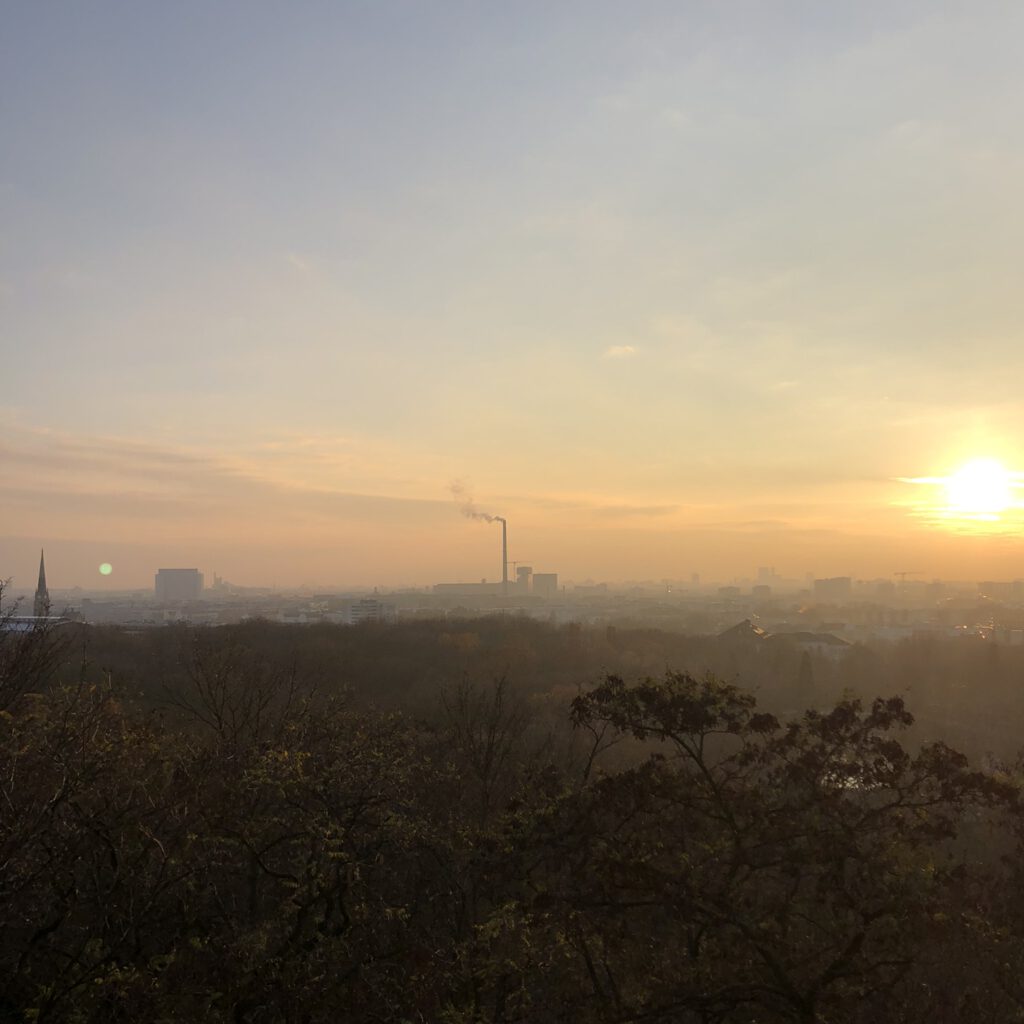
<point>192,829</point>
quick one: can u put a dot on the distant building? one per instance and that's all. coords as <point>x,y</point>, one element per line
<point>175,586</point>
<point>220,585</point>
<point>826,644</point>
<point>369,609</point>
<point>524,576</point>
<point>29,623</point>
<point>41,603</point>
<point>466,589</point>
<point>836,588</point>
<point>1001,590</point>
<point>545,584</point>
<point>744,632</point>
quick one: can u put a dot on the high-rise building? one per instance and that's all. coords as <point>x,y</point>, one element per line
<point>41,604</point>
<point>836,588</point>
<point>173,586</point>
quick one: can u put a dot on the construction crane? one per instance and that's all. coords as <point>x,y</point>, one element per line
<point>908,572</point>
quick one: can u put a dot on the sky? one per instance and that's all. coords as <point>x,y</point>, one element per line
<point>675,287</point>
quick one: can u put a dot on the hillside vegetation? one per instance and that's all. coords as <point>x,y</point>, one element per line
<point>492,822</point>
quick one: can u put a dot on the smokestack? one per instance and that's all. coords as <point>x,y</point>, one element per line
<point>504,558</point>
<point>472,512</point>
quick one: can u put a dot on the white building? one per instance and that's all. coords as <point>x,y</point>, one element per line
<point>369,609</point>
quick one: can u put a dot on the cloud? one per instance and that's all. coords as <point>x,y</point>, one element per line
<point>111,485</point>
<point>634,510</point>
<point>585,506</point>
<point>298,262</point>
<point>619,352</point>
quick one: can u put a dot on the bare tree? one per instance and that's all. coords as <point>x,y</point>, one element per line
<point>30,649</point>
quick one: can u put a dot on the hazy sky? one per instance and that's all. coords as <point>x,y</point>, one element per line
<point>675,286</point>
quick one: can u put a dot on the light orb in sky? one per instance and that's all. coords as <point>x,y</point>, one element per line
<point>981,495</point>
<point>981,488</point>
<point>106,569</point>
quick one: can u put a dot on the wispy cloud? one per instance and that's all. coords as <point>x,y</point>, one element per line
<point>110,481</point>
<point>619,352</point>
<point>298,262</point>
<point>616,511</point>
<point>587,506</point>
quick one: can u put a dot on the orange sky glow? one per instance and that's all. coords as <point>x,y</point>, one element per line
<point>680,289</point>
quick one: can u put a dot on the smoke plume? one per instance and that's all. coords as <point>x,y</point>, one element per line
<point>466,505</point>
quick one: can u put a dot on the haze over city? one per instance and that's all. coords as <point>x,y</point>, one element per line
<point>672,288</point>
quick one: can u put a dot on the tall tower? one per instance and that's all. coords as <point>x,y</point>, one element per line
<point>41,605</point>
<point>504,557</point>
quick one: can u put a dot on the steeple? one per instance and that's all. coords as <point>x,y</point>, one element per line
<point>41,605</point>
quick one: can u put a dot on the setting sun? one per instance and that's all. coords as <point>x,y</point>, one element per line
<point>981,489</point>
<point>978,492</point>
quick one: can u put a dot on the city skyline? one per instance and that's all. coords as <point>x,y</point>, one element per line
<point>673,290</point>
<point>772,579</point>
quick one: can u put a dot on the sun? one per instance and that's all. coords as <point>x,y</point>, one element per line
<point>980,489</point>
<point>981,494</point>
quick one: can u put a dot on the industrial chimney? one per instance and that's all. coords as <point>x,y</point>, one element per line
<point>504,558</point>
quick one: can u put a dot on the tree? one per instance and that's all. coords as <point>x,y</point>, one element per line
<point>746,871</point>
<point>29,652</point>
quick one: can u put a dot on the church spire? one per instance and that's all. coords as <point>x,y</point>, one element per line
<point>41,605</point>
